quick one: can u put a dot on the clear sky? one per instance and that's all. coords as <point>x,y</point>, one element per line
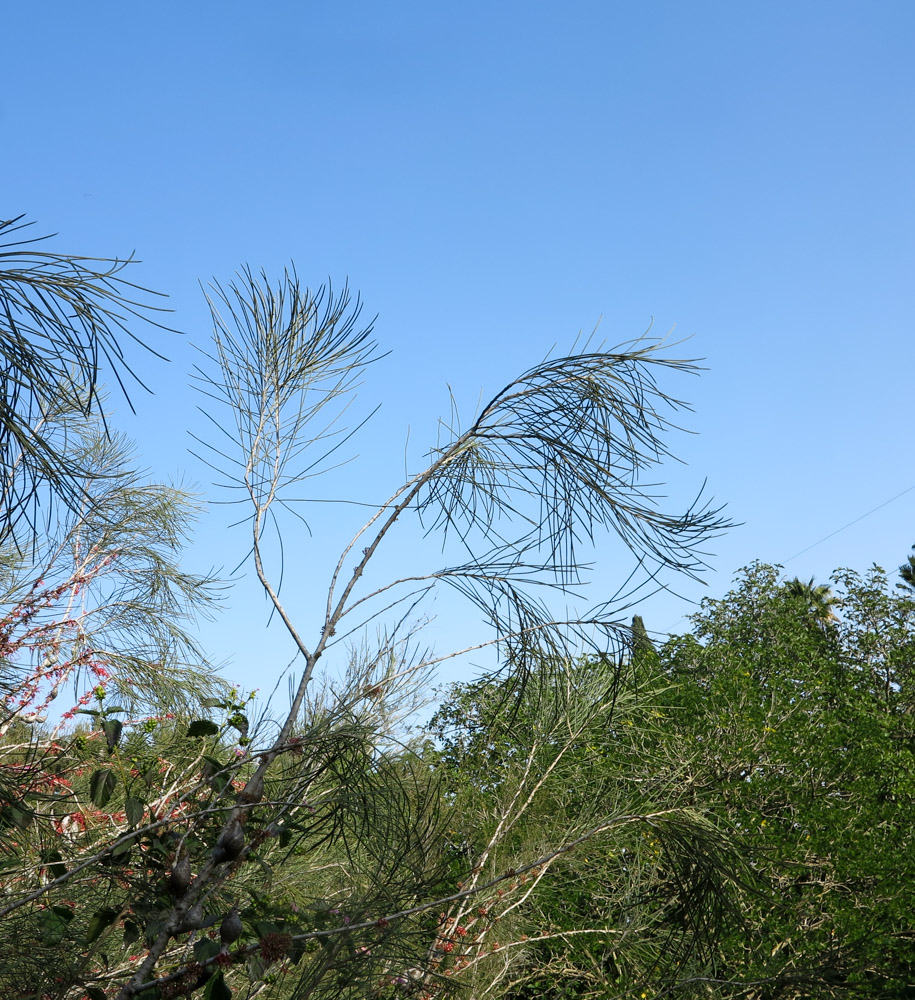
<point>494,178</point>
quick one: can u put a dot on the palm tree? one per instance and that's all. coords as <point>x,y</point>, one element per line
<point>817,598</point>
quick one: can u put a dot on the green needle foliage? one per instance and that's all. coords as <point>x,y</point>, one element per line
<point>639,902</point>
<point>62,317</point>
<point>215,850</point>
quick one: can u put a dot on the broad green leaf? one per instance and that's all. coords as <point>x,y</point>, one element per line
<point>134,808</point>
<point>112,729</point>
<point>215,772</point>
<point>205,948</point>
<point>54,860</point>
<point>123,848</point>
<point>216,989</point>
<point>101,786</point>
<point>202,727</point>
<point>100,920</point>
<point>53,924</point>
<point>11,815</point>
<point>152,928</point>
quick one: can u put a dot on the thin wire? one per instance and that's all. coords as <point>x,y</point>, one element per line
<point>815,544</point>
<point>850,523</point>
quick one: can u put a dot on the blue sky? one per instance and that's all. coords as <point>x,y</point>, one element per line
<point>493,179</point>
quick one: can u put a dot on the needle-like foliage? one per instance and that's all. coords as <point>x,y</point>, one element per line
<point>62,319</point>
<point>554,460</point>
<point>222,850</point>
<point>562,451</point>
<point>284,354</point>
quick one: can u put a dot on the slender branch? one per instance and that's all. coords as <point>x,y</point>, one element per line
<point>399,915</point>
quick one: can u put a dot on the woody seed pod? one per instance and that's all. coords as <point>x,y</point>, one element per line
<point>192,919</point>
<point>230,844</point>
<point>231,928</point>
<point>180,877</point>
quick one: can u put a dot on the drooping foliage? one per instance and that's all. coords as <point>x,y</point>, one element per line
<point>782,723</point>
<point>640,878</point>
<point>217,849</point>
<point>63,320</point>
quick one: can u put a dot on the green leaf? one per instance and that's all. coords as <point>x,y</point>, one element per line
<point>216,989</point>
<point>101,786</point>
<point>112,729</point>
<point>205,948</point>
<point>152,928</point>
<point>11,815</point>
<point>100,920</point>
<point>134,808</point>
<point>214,771</point>
<point>202,727</point>
<point>53,924</point>
<point>123,848</point>
<point>54,860</point>
<point>255,966</point>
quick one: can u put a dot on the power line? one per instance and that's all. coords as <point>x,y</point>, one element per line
<point>850,523</point>
<point>825,538</point>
